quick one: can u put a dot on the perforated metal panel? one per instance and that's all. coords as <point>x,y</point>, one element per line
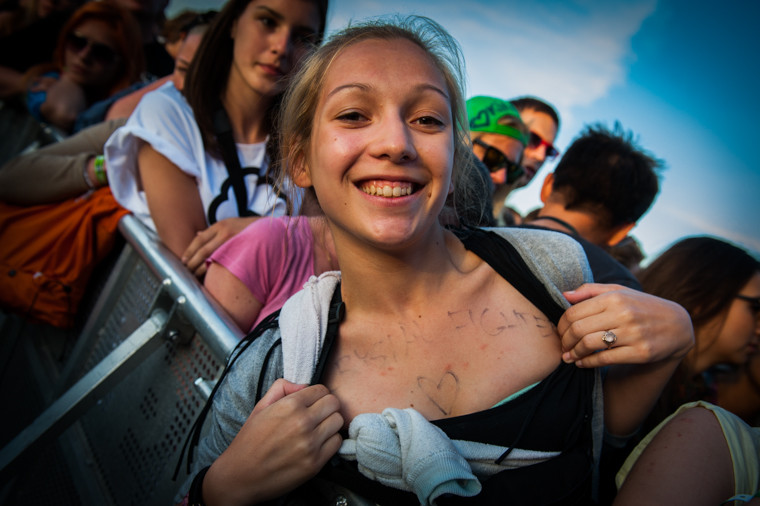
<point>127,314</point>
<point>136,431</point>
<point>124,449</point>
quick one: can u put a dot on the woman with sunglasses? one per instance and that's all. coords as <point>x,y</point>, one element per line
<point>195,166</point>
<point>699,451</point>
<point>99,52</point>
<point>719,285</point>
<point>499,138</point>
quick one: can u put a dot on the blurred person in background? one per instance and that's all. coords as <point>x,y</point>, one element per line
<point>98,54</point>
<point>76,164</point>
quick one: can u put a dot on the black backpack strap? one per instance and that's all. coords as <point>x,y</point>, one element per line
<point>223,132</point>
<point>336,314</point>
<point>505,260</point>
<point>194,434</point>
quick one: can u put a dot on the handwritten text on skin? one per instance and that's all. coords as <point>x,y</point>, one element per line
<point>442,392</point>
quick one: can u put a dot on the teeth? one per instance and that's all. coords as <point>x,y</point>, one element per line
<point>387,188</point>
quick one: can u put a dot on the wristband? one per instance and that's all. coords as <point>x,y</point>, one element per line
<point>100,169</point>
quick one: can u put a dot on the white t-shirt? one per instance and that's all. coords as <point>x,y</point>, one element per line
<point>164,119</point>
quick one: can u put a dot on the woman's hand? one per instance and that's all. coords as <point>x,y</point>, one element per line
<point>64,101</point>
<point>291,433</point>
<point>652,336</point>
<point>648,328</point>
<point>207,241</point>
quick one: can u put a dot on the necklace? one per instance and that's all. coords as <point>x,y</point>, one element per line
<point>565,224</point>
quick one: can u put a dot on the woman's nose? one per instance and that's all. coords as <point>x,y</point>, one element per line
<point>394,140</point>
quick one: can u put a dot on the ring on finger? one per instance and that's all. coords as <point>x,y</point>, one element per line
<point>609,338</point>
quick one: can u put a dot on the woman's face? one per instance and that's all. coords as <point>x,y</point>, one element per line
<point>91,58</point>
<point>737,337</point>
<point>270,38</point>
<point>382,144</point>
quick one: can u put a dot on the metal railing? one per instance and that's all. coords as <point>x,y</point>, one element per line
<point>135,381</point>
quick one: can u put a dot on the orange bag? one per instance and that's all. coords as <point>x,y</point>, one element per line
<point>48,252</point>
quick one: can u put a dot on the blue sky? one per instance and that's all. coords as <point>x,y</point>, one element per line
<point>682,75</point>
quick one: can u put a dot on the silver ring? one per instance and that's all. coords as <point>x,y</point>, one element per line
<point>609,337</point>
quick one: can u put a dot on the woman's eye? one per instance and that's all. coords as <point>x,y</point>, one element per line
<point>351,116</point>
<point>268,22</point>
<point>429,121</point>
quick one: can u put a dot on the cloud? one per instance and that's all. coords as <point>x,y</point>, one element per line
<point>570,53</point>
<point>706,226</point>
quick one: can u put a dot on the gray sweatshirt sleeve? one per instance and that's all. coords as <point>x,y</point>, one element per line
<point>557,260</point>
<point>54,172</point>
<point>260,363</point>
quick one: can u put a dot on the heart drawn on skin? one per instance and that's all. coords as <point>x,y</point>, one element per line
<point>444,393</point>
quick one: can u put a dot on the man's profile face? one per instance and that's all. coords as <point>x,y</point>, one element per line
<point>543,125</point>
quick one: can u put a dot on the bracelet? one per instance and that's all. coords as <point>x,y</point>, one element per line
<point>100,169</point>
<point>87,179</point>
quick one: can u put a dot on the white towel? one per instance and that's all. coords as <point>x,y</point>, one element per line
<point>303,324</point>
<point>401,449</point>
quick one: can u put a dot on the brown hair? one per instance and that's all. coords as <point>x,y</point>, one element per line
<point>209,71</point>
<point>704,275</point>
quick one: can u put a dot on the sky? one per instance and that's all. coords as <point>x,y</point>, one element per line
<point>681,75</point>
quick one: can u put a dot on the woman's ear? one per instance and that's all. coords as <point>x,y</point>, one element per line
<point>301,172</point>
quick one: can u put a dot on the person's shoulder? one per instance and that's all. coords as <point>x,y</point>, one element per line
<point>605,268</point>
<point>166,95</point>
<point>271,227</point>
<point>549,252</point>
<point>538,239</point>
<point>163,115</point>
<point>262,240</point>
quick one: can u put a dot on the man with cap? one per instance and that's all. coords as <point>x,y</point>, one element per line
<point>498,139</point>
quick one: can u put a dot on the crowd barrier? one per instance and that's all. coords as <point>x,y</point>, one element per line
<point>119,408</point>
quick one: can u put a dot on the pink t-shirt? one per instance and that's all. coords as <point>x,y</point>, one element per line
<point>273,257</point>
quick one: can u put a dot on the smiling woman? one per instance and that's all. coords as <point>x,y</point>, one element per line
<point>361,363</point>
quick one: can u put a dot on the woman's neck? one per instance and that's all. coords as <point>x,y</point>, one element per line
<point>247,111</point>
<point>325,258</point>
<point>398,282</point>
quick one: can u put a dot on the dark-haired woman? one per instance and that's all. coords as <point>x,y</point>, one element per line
<point>171,165</point>
<point>719,285</point>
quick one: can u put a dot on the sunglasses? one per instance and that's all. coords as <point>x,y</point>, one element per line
<point>536,142</point>
<point>99,52</point>
<point>495,160</point>
<point>754,303</point>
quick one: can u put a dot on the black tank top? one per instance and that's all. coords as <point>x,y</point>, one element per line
<point>554,415</point>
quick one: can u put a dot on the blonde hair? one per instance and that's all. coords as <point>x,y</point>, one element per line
<point>300,101</point>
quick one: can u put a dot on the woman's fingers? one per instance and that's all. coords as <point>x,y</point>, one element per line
<point>646,328</point>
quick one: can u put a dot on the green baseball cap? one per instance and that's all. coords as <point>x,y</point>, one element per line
<point>484,114</point>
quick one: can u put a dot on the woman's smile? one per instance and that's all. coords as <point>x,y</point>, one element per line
<point>391,140</point>
<point>387,189</point>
